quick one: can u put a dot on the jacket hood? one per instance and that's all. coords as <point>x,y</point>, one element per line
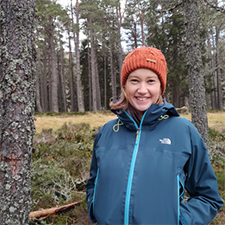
<point>155,113</point>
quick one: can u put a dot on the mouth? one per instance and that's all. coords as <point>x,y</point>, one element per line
<point>141,99</point>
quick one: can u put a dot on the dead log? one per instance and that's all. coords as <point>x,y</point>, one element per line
<point>54,210</point>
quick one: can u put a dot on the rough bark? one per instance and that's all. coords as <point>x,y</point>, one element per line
<point>17,98</point>
<point>195,69</point>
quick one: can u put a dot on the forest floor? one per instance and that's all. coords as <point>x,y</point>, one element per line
<point>61,160</point>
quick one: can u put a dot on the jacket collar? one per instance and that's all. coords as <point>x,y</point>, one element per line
<point>151,116</point>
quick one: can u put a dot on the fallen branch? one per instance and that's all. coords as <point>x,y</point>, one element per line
<point>47,212</point>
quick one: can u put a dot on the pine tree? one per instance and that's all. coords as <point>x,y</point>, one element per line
<point>17,101</point>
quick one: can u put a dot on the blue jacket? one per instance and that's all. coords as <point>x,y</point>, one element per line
<point>139,174</point>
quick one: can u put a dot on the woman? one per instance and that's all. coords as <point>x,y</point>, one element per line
<point>145,160</point>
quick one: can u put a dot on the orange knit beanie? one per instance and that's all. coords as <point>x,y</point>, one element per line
<point>145,57</point>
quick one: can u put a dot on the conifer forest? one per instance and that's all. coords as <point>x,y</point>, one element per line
<point>60,60</point>
<point>81,47</point>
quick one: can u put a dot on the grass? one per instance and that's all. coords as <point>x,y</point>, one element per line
<point>217,121</point>
<point>44,121</point>
<point>55,122</point>
<point>61,161</point>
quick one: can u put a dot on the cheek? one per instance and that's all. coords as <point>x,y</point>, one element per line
<point>130,90</point>
<point>158,90</point>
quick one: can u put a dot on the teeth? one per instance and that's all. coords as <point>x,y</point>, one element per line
<point>141,99</point>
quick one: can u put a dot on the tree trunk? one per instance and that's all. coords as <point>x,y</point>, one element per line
<point>93,78</point>
<point>38,75</point>
<point>17,101</point>
<point>209,68</point>
<point>45,87</point>
<point>54,71</point>
<point>214,77</point>
<point>89,78</point>
<point>135,35</point>
<point>142,28</point>
<point>72,99</point>
<point>62,75</point>
<point>80,97</point>
<point>119,22</point>
<point>195,69</point>
<point>105,83</point>
<point>97,82</point>
<point>113,83</point>
<point>218,73</point>
<point>49,82</point>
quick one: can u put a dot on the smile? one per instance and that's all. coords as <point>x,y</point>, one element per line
<point>141,99</point>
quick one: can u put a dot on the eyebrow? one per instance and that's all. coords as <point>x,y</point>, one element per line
<point>149,76</point>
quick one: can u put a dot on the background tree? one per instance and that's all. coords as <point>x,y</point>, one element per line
<point>195,69</point>
<point>76,35</point>
<point>17,99</point>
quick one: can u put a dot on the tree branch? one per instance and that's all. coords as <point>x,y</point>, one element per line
<point>170,9</point>
<point>217,8</point>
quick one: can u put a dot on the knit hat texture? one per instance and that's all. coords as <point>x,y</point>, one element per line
<point>148,58</point>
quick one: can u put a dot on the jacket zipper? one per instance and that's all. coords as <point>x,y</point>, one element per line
<point>178,198</point>
<point>131,172</point>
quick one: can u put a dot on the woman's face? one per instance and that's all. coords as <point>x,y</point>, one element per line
<point>143,88</point>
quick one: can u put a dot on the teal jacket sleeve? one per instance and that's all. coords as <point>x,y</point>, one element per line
<point>90,185</point>
<point>201,184</point>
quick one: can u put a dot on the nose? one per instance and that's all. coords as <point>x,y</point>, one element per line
<point>142,89</point>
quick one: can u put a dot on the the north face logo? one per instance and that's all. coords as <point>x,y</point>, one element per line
<point>166,141</point>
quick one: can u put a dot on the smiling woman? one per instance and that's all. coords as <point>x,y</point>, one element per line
<point>145,159</point>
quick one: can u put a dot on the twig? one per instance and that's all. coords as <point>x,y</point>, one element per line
<point>46,212</point>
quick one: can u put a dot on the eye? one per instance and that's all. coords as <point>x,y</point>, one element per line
<point>151,80</point>
<point>134,80</point>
